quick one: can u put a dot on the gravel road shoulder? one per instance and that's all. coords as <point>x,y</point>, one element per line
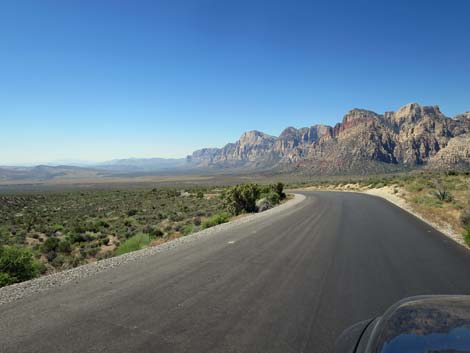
<point>445,229</point>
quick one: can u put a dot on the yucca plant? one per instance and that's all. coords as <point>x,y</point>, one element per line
<point>441,192</point>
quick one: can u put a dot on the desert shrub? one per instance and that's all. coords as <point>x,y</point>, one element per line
<point>4,235</point>
<point>57,228</point>
<point>102,224</point>
<point>242,198</point>
<point>16,265</point>
<point>200,195</point>
<point>273,198</point>
<point>216,219</point>
<point>441,192</point>
<point>465,217</point>
<point>187,229</point>
<point>51,255</point>
<point>78,237</point>
<point>79,228</point>
<point>176,217</point>
<point>278,188</point>
<point>153,231</point>
<point>5,279</point>
<point>197,221</point>
<point>51,244</point>
<point>132,212</point>
<point>134,243</point>
<point>58,261</point>
<point>263,204</point>
<point>65,246</point>
<point>129,222</point>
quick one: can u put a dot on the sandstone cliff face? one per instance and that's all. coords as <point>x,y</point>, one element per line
<point>456,155</point>
<point>363,142</point>
<point>253,149</point>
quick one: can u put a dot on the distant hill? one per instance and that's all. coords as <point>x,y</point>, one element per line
<point>131,167</point>
<point>44,173</point>
<point>142,164</point>
<point>364,142</point>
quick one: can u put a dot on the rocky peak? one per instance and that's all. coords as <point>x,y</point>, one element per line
<point>462,117</point>
<point>288,139</point>
<point>413,112</point>
<point>289,133</point>
<point>322,130</point>
<point>354,118</point>
<point>255,137</point>
<point>359,114</point>
<point>315,133</point>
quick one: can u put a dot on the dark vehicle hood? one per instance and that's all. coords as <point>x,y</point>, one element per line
<point>424,324</point>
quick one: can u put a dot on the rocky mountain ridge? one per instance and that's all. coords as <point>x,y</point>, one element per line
<point>363,142</point>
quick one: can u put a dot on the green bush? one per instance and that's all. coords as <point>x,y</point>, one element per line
<point>263,204</point>
<point>58,261</point>
<point>187,229</point>
<point>216,219</point>
<point>5,279</point>
<point>16,265</point>
<point>278,188</point>
<point>79,238</point>
<point>242,198</point>
<point>154,231</point>
<point>273,198</point>
<point>51,244</point>
<point>65,246</point>
<point>134,243</point>
<point>132,212</point>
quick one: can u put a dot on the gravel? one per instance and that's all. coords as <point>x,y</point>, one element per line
<point>21,290</point>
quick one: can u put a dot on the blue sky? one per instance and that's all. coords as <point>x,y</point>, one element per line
<point>97,79</point>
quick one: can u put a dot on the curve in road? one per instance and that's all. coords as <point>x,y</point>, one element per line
<point>287,284</point>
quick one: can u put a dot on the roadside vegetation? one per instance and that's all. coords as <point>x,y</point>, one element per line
<point>440,197</point>
<point>45,232</point>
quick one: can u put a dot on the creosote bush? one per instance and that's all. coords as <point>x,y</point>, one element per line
<point>16,265</point>
<point>242,198</point>
<point>216,219</point>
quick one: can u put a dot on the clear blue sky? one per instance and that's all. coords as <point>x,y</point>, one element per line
<point>96,80</point>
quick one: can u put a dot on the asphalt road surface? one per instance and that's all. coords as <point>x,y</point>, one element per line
<point>288,284</point>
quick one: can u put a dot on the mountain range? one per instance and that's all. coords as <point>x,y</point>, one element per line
<point>363,142</point>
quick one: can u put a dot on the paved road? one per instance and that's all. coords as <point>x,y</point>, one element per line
<point>289,284</point>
